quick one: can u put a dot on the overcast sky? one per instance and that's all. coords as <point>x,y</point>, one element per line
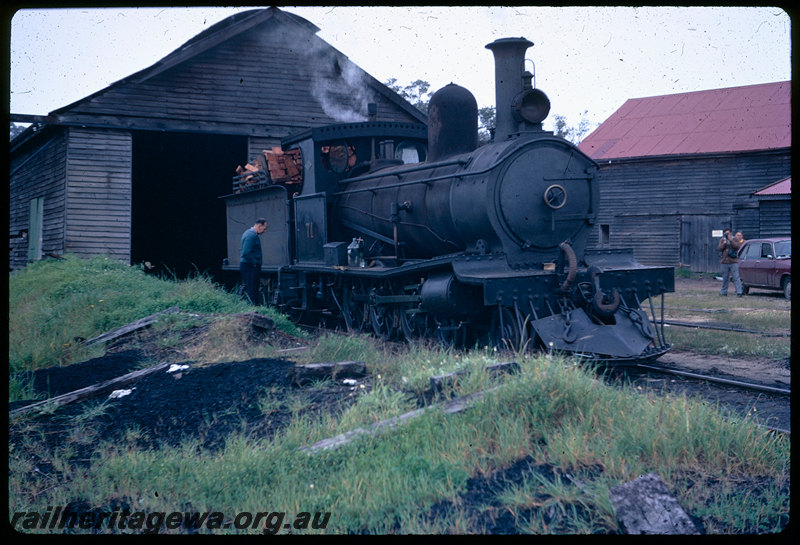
<point>586,58</point>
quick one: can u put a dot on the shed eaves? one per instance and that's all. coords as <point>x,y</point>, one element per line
<point>748,118</point>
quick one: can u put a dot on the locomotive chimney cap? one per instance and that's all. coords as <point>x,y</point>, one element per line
<point>503,41</point>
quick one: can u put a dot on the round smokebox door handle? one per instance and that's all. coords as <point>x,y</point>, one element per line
<point>555,196</point>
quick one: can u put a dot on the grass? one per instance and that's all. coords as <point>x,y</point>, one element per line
<point>56,303</point>
<point>769,314</point>
<point>580,436</point>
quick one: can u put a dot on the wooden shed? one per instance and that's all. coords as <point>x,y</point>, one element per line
<point>775,209</point>
<point>135,171</point>
<point>675,168</point>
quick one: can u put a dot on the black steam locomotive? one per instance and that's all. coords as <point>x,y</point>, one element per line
<point>411,232</point>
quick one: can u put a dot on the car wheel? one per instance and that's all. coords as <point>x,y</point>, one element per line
<point>787,288</point>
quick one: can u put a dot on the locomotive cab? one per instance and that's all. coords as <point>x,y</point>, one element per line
<point>293,186</point>
<point>332,154</point>
<point>337,152</point>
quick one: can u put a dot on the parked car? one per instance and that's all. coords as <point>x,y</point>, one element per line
<point>766,263</point>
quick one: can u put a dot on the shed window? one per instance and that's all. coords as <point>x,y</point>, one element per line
<point>605,234</point>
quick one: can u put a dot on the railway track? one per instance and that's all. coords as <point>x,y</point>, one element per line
<point>769,406</point>
<point>721,327</point>
<point>740,396</point>
<point>716,380</point>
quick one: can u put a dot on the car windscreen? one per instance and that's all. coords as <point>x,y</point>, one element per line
<point>783,249</point>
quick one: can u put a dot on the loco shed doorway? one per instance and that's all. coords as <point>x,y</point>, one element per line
<point>177,217</point>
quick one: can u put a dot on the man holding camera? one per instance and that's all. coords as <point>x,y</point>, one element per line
<point>728,248</point>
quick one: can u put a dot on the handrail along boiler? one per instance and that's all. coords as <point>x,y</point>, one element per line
<point>408,232</point>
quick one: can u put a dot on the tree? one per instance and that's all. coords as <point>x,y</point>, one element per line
<point>417,93</point>
<point>15,130</point>
<point>573,134</point>
<point>487,117</point>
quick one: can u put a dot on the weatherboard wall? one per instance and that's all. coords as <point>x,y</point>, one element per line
<point>775,218</point>
<point>98,194</point>
<point>40,173</point>
<point>645,201</point>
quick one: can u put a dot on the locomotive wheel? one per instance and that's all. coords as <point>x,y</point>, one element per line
<point>384,319</point>
<point>354,312</point>
<point>295,315</point>
<point>415,325</point>
<point>504,330</point>
<point>449,334</point>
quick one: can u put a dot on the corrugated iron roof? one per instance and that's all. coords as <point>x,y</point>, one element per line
<point>748,118</point>
<point>782,187</point>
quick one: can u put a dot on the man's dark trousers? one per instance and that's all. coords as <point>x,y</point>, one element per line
<point>250,280</point>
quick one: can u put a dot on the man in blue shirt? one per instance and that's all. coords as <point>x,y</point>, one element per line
<point>250,262</point>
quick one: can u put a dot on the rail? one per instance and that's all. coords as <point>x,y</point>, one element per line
<point>718,380</point>
<point>725,328</point>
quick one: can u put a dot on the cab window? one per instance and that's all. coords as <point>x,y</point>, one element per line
<point>766,250</point>
<point>338,157</point>
<point>410,152</point>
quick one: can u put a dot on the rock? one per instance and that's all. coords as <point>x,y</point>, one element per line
<point>645,506</point>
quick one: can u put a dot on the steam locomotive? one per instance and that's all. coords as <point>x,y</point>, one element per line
<point>411,232</point>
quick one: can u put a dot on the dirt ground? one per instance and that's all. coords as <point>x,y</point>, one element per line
<point>208,402</point>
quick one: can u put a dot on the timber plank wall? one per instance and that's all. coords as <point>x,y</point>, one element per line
<point>642,200</point>
<point>98,218</point>
<point>775,217</point>
<point>41,173</point>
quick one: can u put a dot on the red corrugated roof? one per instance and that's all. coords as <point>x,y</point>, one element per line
<point>783,187</point>
<point>748,118</point>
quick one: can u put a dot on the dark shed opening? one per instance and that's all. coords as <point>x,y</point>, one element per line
<point>178,220</point>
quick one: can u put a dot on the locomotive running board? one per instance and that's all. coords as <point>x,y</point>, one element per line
<point>623,340</point>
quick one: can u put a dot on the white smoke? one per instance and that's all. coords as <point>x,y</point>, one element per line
<point>339,86</point>
<point>340,89</point>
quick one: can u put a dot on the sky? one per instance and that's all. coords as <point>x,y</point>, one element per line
<point>588,60</point>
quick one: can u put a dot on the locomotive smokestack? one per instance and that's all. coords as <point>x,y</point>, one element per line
<point>509,61</point>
